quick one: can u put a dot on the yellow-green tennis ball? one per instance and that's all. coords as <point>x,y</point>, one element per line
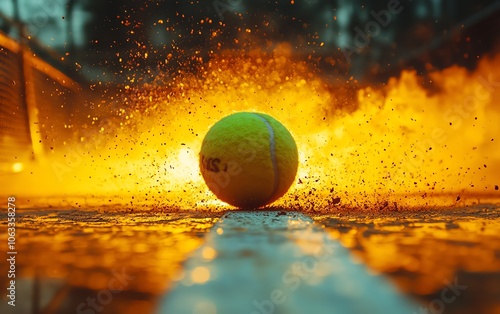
<point>248,159</point>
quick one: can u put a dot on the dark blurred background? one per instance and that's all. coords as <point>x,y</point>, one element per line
<point>107,40</point>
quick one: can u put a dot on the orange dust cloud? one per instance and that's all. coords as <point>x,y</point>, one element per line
<point>393,144</point>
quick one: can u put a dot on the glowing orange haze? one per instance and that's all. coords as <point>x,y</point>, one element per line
<point>397,139</point>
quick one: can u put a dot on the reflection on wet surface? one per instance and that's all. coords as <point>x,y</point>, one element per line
<point>425,252</point>
<point>75,254</point>
<point>121,261</point>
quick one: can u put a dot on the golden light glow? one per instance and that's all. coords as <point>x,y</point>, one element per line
<point>17,167</point>
<point>200,275</point>
<point>385,145</point>
<point>209,253</point>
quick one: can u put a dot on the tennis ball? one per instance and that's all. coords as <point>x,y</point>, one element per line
<point>248,159</point>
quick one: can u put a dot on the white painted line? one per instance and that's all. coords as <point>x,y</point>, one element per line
<point>267,262</point>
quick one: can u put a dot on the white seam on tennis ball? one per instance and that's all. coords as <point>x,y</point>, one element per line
<point>272,148</point>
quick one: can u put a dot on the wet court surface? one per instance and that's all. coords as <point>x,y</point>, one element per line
<point>108,260</point>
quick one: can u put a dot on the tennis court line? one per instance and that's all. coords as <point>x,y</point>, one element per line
<point>265,262</point>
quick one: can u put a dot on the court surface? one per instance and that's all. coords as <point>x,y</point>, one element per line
<point>117,260</point>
